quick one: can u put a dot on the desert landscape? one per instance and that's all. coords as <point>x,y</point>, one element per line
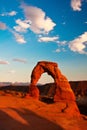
<point>43,65</point>
<point>17,112</point>
<point>27,113</point>
<point>21,110</point>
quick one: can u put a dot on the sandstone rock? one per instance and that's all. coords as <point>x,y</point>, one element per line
<point>63,89</point>
<point>34,91</point>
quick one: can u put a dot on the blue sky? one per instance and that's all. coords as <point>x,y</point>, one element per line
<point>31,31</point>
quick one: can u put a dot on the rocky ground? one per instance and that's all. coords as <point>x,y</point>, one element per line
<point>18,111</point>
<point>26,113</point>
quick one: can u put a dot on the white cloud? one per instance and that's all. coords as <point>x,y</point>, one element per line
<point>2,26</point>
<point>79,44</point>
<point>19,38</point>
<point>20,60</point>
<point>86,22</point>
<point>22,25</point>
<point>62,42</point>
<point>48,39</point>
<point>40,22</point>
<point>12,13</point>
<point>58,50</point>
<point>4,62</point>
<point>61,45</point>
<point>76,5</point>
<point>19,29</point>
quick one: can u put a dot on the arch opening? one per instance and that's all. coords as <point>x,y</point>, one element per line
<point>45,79</point>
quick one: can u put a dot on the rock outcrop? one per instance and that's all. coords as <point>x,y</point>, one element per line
<point>63,90</point>
<point>63,96</point>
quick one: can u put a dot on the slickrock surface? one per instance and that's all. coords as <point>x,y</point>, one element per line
<point>30,114</point>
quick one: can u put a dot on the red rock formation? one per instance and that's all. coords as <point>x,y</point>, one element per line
<point>63,89</point>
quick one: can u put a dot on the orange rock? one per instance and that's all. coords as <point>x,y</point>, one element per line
<point>63,89</point>
<point>34,91</point>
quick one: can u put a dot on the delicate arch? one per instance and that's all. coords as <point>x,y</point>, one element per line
<point>62,85</point>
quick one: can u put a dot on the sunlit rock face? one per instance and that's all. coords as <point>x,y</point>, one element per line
<point>63,90</point>
<point>63,96</point>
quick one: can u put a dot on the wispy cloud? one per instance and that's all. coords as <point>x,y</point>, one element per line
<point>79,44</point>
<point>2,26</point>
<point>76,5</point>
<point>19,38</point>
<point>61,46</point>
<point>4,62</point>
<point>55,39</point>
<point>20,60</point>
<point>12,13</point>
<point>40,23</point>
<point>62,43</point>
<point>58,50</point>
<point>48,39</point>
<point>22,25</point>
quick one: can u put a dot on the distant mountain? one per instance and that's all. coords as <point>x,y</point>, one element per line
<point>79,87</point>
<point>14,84</point>
<point>5,84</point>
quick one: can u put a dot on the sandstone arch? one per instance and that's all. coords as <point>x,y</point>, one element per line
<point>63,89</point>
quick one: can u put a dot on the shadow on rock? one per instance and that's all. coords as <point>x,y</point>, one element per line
<point>24,119</point>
